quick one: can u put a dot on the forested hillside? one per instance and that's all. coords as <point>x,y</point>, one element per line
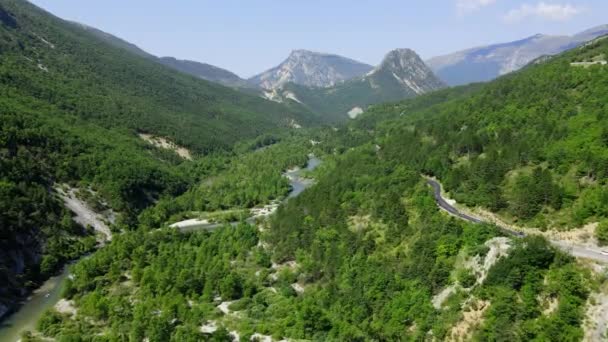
<point>365,254</point>
<point>530,145</point>
<point>71,109</point>
<point>73,70</point>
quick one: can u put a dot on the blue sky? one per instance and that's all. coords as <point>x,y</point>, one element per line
<point>249,36</point>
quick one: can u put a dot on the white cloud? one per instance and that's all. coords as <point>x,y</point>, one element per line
<point>543,10</point>
<point>467,6</point>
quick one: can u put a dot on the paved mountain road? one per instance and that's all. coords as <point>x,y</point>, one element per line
<point>573,249</point>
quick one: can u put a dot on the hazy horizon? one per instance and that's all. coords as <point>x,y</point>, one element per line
<point>265,33</point>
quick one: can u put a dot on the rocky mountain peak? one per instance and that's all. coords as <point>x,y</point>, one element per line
<point>404,62</point>
<point>399,59</point>
<point>408,69</point>
<point>310,68</point>
<point>302,53</point>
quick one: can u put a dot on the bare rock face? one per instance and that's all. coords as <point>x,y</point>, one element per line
<point>311,69</point>
<point>402,74</point>
<point>408,69</point>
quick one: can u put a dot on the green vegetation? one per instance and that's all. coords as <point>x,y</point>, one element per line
<point>115,88</point>
<point>529,145</point>
<point>71,110</point>
<point>29,215</point>
<point>601,233</point>
<point>364,254</point>
<point>401,75</point>
<point>537,274</point>
<point>228,182</point>
<point>370,253</point>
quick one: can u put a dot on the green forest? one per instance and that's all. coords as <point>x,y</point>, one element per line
<point>529,145</point>
<point>363,254</point>
<point>71,109</point>
<point>369,261</point>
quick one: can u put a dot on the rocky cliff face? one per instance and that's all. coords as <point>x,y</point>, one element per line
<point>400,75</point>
<point>488,62</point>
<point>408,69</point>
<point>17,256</point>
<point>311,69</point>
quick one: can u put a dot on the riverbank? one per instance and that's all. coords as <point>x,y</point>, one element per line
<point>30,310</point>
<point>27,316</point>
<point>297,182</point>
<point>49,294</point>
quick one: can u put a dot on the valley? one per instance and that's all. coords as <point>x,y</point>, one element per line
<point>147,198</point>
<point>49,294</point>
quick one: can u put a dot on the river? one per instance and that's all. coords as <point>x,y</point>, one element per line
<point>46,296</point>
<point>42,299</point>
<point>296,180</point>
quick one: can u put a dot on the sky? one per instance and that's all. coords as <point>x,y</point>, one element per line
<point>250,36</point>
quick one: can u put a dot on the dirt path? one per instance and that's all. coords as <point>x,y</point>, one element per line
<point>596,322</point>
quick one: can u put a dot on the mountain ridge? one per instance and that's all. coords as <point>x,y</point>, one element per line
<point>305,67</point>
<point>74,108</point>
<point>401,74</point>
<point>484,63</point>
<point>197,69</point>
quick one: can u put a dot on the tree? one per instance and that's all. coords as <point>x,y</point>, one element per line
<point>601,233</point>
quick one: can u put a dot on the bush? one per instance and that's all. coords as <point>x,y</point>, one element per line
<point>466,278</point>
<point>601,233</point>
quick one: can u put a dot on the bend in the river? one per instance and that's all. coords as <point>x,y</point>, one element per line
<point>45,297</point>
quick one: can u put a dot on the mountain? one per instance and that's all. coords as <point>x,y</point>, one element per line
<point>109,120</point>
<point>206,71</point>
<point>592,33</point>
<point>113,40</point>
<point>485,63</point>
<point>197,69</point>
<point>366,253</point>
<point>309,68</point>
<point>128,90</point>
<point>402,74</point>
<point>516,145</point>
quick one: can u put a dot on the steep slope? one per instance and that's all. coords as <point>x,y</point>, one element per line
<point>365,254</point>
<point>115,41</point>
<point>207,72</point>
<point>309,68</point>
<point>72,108</point>
<point>402,74</point>
<point>530,146</point>
<point>129,91</point>
<point>200,70</point>
<point>591,33</point>
<point>488,62</point>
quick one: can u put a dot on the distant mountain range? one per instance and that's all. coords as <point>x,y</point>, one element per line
<point>402,74</point>
<point>337,87</point>
<point>331,86</point>
<point>485,63</point>
<point>207,72</point>
<point>201,70</point>
<point>313,69</point>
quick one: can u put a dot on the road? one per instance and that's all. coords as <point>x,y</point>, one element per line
<point>569,247</point>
